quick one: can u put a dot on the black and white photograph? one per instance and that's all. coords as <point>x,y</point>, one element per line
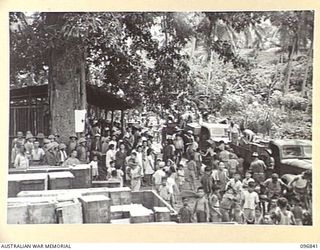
<point>161,118</point>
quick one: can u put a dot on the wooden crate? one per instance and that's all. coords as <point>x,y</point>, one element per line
<point>96,209</point>
<point>42,213</point>
<point>161,214</point>
<point>60,180</point>
<point>120,196</point>
<point>109,184</point>
<point>140,214</point>
<point>26,182</point>
<point>69,212</point>
<point>82,176</point>
<point>17,214</point>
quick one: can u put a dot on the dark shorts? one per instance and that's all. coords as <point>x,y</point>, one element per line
<point>201,216</point>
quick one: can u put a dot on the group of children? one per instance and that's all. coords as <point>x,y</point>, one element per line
<point>239,202</point>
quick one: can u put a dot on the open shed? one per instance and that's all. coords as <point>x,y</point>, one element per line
<point>29,107</point>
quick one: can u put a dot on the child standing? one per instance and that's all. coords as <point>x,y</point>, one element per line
<point>297,212</point>
<point>163,190</point>
<point>180,177</point>
<point>238,215</point>
<point>215,215</point>
<point>191,174</point>
<point>226,204</point>
<point>185,213</point>
<point>201,208</point>
<point>158,175</point>
<point>198,160</point>
<point>250,200</point>
<point>94,167</point>
<point>120,174</point>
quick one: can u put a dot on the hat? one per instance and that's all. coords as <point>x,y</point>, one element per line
<point>255,154</point>
<point>50,146</point>
<point>46,141</point>
<point>82,140</point>
<point>73,136</point>
<point>51,137</point>
<point>190,132</point>
<point>40,136</point>
<point>97,135</point>
<point>62,146</point>
<point>161,164</point>
<point>55,144</point>
<point>29,136</point>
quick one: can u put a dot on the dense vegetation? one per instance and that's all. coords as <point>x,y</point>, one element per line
<point>255,67</point>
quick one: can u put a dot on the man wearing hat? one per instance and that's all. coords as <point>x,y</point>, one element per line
<point>82,151</point>
<point>51,138</point>
<point>45,143</point>
<point>72,145</point>
<point>19,139</point>
<point>40,137</point>
<point>50,157</point>
<point>168,151</point>
<point>29,144</point>
<point>257,168</point>
<point>96,146</point>
<point>57,138</point>
<point>62,154</point>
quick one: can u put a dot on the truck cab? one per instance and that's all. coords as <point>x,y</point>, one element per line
<point>291,156</point>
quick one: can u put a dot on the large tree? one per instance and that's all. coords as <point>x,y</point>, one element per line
<point>119,48</point>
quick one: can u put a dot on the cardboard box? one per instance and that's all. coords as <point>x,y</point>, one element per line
<point>60,180</point>
<point>95,209</point>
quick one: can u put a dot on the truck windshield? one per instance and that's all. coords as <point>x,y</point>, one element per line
<point>296,151</point>
<point>307,151</point>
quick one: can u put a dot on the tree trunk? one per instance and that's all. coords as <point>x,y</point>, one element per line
<point>305,78</point>
<point>67,88</point>
<point>287,82</point>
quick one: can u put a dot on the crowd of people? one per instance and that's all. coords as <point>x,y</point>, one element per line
<point>175,166</point>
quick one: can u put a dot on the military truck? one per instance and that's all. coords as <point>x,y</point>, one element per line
<point>292,156</point>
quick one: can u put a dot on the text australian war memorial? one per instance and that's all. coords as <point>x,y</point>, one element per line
<point>161,117</point>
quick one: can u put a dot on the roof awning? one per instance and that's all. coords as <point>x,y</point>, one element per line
<point>96,96</point>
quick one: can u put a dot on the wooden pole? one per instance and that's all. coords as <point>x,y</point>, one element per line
<point>112,117</point>
<point>122,122</point>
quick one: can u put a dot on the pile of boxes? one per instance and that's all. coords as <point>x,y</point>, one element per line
<point>46,195</point>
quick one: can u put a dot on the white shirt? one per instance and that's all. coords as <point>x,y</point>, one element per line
<point>37,154</point>
<point>170,184</point>
<point>21,161</point>
<point>158,175</point>
<point>250,199</point>
<point>110,156</point>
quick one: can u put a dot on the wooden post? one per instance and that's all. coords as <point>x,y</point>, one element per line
<point>122,121</point>
<point>112,117</point>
